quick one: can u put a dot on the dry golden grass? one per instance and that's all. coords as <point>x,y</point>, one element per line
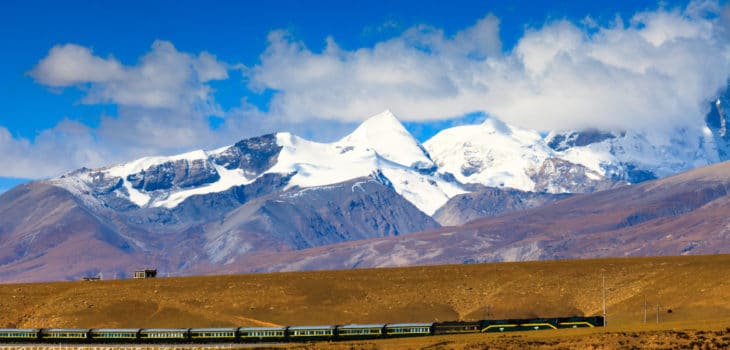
<point>695,288</point>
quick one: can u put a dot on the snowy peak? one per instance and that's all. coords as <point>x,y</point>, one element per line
<point>495,125</point>
<point>384,134</point>
<point>167,181</point>
<point>492,154</point>
<point>380,147</point>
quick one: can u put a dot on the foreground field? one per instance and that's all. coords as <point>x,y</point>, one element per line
<point>693,294</point>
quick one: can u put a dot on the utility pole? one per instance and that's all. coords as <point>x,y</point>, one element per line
<point>657,311</point>
<point>644,308</point>
<point>603,277</point>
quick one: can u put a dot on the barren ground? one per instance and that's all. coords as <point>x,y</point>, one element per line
<point>695,288</point>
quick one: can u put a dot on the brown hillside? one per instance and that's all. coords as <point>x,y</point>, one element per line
<point>695,288</point>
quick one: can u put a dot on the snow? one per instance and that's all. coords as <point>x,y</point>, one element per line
<point>491,154</point>
<point>662,154</point>
<point>385,134</point>
<point>427,193</point>
<point>133,167</point>
<point>498,155</point>
<point>140,198</point>
<point>136,197</point>
<point>380,144</point>
<point>595,157</point>
<point>319,164</point>
<point>228,179</point>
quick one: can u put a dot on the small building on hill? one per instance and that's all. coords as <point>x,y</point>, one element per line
<point>146,273</point>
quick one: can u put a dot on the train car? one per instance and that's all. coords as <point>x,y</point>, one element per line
<point>262,334</point>
<point>510,325</point>
<point>499,325</point>
<point>115,335</point>
<point>204,335</point>
<point>19,335</point>
<point>64,335</point>
<point>360,331</point>
<point>164,335</point>
<point>456,327</point>
<point>408,329</point>
<point>536,324</point>
<point>579,322</point>
<point>307,333</point>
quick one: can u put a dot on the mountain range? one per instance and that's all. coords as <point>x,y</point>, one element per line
<point>376,197</point>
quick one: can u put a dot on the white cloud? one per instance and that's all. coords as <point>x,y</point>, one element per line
<point>655,71</point>
<point>52,151</point>
<point>73,64</point>
<point>163,105</point>
<point>163,78</point>
<point>659,69</point>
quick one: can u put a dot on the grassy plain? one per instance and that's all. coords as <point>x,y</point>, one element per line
<point>695,288</point>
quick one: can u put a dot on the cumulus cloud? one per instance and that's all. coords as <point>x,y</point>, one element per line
<point>163,78</point>
<point>52,152</point>
<point>163,104</point>
<point>73,64</point>
<point>658,69</point>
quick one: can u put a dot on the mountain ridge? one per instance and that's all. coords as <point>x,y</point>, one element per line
<point>279,194</point>
<point>679,215</point>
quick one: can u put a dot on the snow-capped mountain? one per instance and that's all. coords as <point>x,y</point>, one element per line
<point>495,154</point>
<point>639,155</point>
<point>279,192</point>
<point>379,147</point>
<point>492,154</point>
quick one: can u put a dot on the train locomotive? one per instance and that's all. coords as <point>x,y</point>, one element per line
<point>287,334</point>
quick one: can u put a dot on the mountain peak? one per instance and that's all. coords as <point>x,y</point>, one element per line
<point>385,134</point>
<point>497,125</point>
<point>383,120</point>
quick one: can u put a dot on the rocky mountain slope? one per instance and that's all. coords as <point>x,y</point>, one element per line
<point>677,215</point>
<point>490,202</point>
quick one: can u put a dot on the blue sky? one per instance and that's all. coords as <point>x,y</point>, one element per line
<point>86,83</point>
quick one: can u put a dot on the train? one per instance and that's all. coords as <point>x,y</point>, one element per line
<point>287,333</point>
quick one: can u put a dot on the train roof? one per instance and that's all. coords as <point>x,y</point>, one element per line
<point>254,329</point>
<point>99,330</point>
<point>409,325</point>
<point>10,330</point>
<point>449,323</point>
<point>164,330</point>
<point>64,329</point>
<point>358,326</point>
<point>297,328</point>
<point>220,329</point>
